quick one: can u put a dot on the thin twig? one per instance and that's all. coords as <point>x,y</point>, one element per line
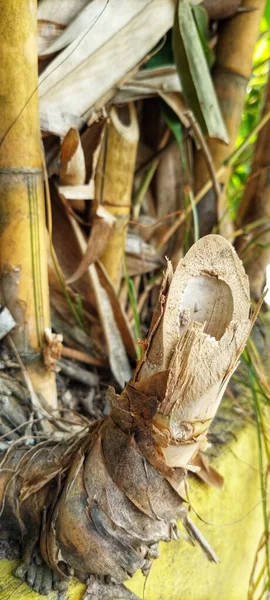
<point>83,357</point>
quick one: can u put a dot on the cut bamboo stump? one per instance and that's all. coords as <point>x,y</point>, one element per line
<point>114,179</point>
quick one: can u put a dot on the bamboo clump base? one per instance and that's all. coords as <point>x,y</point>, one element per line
<point>93,499</point>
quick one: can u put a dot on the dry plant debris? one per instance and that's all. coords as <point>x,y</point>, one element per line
<point>107,492</point>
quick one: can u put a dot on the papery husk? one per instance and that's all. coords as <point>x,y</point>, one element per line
<point>199,339</point>
<point>72,168</point>
<point>118,488</point>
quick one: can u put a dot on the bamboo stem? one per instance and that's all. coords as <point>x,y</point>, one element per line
<point>255,205</point>
<point>114,181</point>
<point>23,253</point>
<point>237,38</point>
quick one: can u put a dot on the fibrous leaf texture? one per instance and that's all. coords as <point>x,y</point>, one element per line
<point>107,496</point>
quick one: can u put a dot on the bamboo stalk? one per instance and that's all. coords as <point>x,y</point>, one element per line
<point>256,205</point>
<point>236,41</point>
<point>114,181</point>
<point>23,254</point>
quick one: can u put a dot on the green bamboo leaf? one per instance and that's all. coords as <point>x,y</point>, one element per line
<point>196,80</point>
<point>202,24</point>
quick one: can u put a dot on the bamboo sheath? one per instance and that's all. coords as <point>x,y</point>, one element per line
<point>23,253</point>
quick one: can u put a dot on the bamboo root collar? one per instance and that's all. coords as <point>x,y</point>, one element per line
<point>111,493</point>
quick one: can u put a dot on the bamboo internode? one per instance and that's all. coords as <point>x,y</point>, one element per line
<point>23,251</point>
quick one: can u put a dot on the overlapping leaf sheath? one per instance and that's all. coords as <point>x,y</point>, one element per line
<point>114,491</point>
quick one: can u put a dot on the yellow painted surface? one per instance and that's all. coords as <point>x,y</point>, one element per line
<point>182,572</point>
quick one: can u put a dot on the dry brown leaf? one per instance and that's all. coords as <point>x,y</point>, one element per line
<point>103,223</point>
<point>114,338</point>
<point>72,170</point>
<point>116,350</point>
<point>206,472</point>
<point>66,234</point>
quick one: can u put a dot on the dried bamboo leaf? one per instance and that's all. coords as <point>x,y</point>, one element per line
<point>119,315</point>
<point>116,351</point>
<point>77,192</point>
<point>48,32</point>
<point>206,472</point>
<point>104,55</point>
<point>176,102</point>
<point>197,85</point>
<point>102,228</point>
<point>86,18</point>
<point>72,169</point>
<point>148,83</point>
<point>6,321</point>
<point>67,231</point>
<point>141,257</point>
<point>60,10</point>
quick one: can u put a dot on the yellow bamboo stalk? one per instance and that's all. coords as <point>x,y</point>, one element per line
<point>236,41</point>
<point>23,255</point>
<point>114,181</point>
